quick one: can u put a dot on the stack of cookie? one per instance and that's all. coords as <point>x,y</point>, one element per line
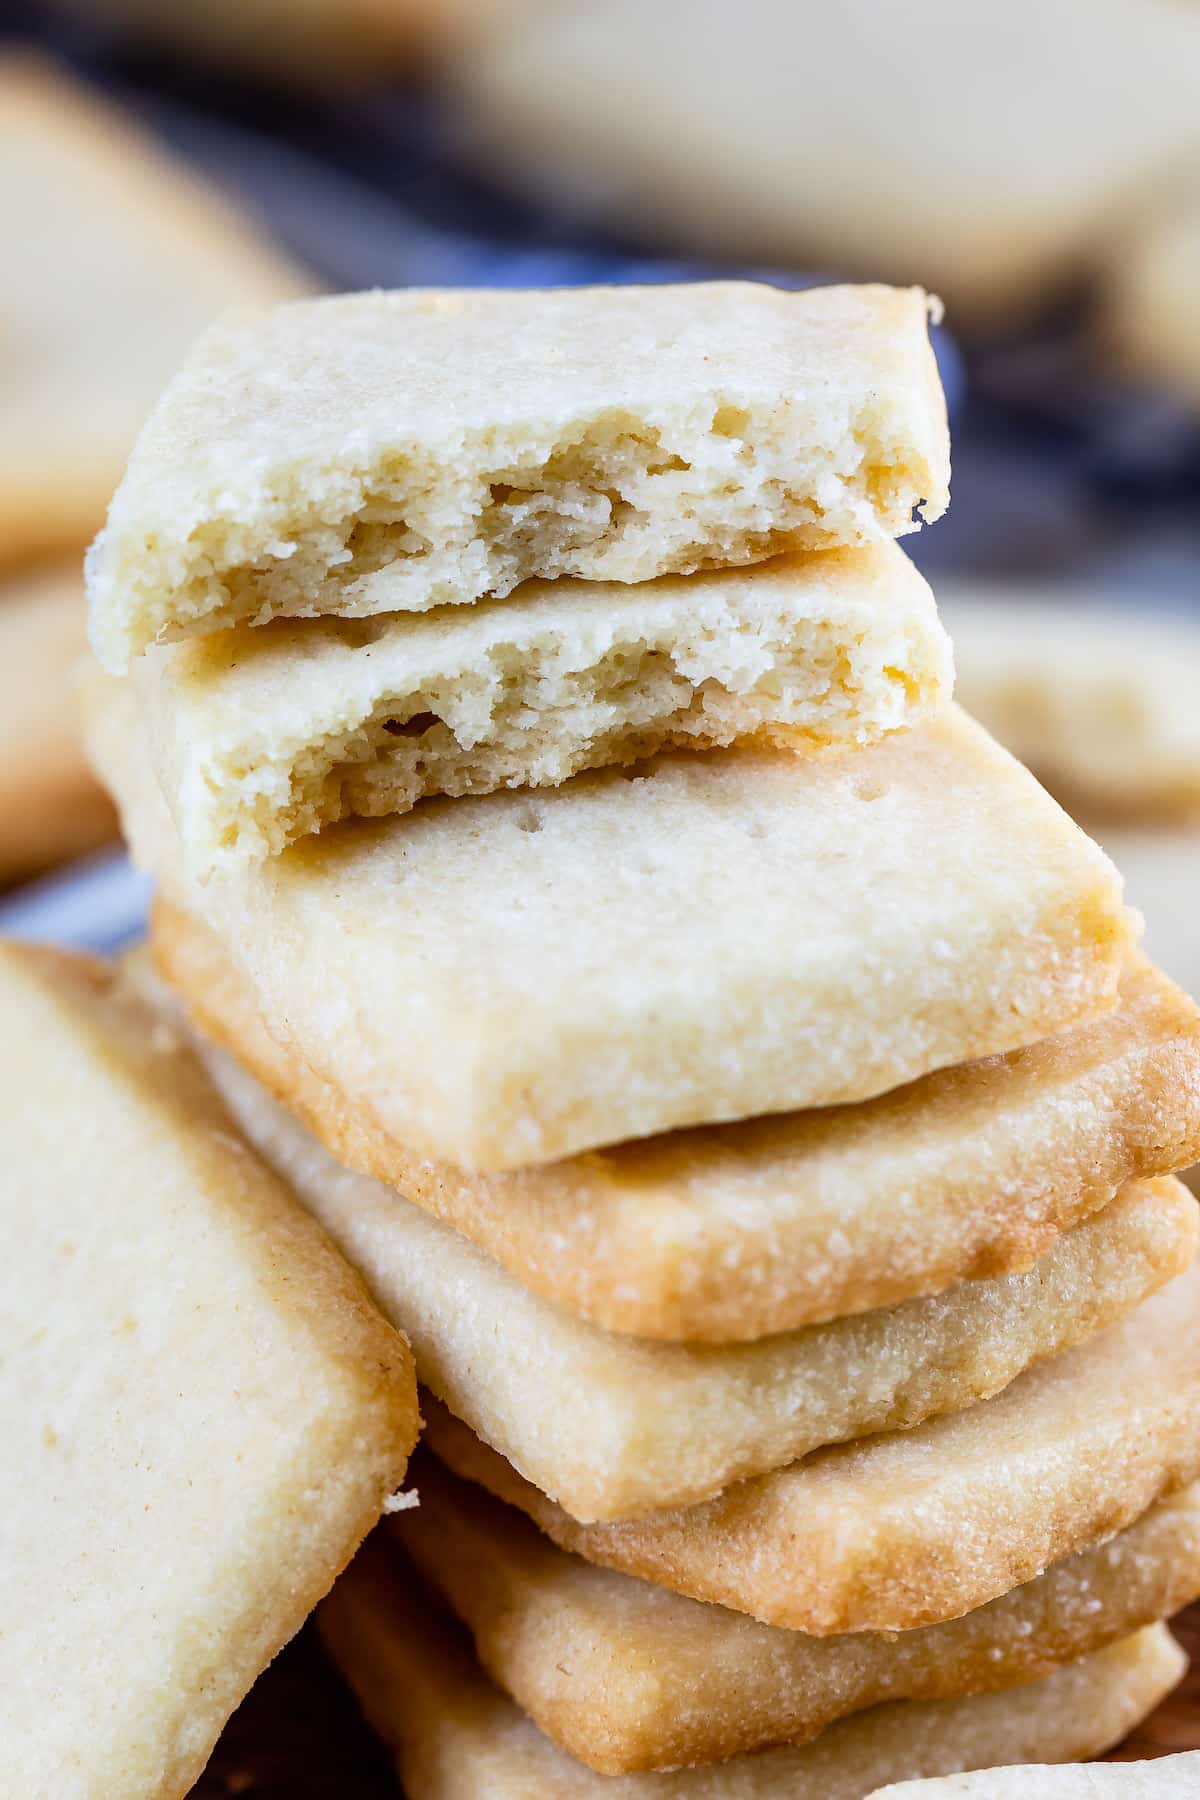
<point>731,1069</point>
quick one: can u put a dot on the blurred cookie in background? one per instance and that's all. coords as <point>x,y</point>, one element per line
<point>116,257</point>
<point>1102,703</point>
<point>1098,699</point>
<point>983,152</point>
<point>51,806</point>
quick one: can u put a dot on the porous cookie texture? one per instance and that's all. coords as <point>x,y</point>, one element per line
<point>741,1231</point>
<point>202,1411</point>
<point>635,1426</point>
<point>391,452</point>
<point>262,735</point>
<point>1162,1778</point>
<point>507,979</point>
<point>455,1736</point>
<point>1099,702</point>
<point>919,1526</point>
<point>627,1676</point>
<point>120,255</point>
<point>51,805</point>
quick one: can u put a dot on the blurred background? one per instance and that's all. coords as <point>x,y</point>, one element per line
<point>1035,164</point>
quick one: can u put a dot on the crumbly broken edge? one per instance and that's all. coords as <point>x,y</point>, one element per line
<point>405,533</point>
<point>530,730</point>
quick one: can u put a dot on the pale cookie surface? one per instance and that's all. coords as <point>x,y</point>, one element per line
<point>1162,1778</point>
<point>456,1737</point>
<point>120,256</point>
<point>202,1412</point>
<point>904,156</point>
<point>1099,702</point>
<point>736,1232</point>
<point>507,979</point>
<point>615,1426</point>
<point>627,1676</point>
<point>612,1427</point>
<point>262,735</point>
<point>391,452</point>
<point>51,805</point>
<point>922,1525</point>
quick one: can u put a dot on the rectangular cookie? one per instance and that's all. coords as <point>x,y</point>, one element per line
<point>613,1427</point>
<point>202,1411</point>
<point>508,979</point>
<point>456,1737</point>
<point>262,735</point>
<point>51,805</point>
<point>626,1676</point>
<point>918,1526</point>
<point>121,254</point>
<point>735,1232</point>
<point>392,452</point>
<point>679,124</point>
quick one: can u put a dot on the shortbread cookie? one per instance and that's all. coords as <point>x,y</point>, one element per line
<point>202,1412</point>
<point>260,736</point>
<point>922,1525</point>
<point>904,155</point>
<point>736,1232</point>
<point>1162,1778</point>
<point>51,805</point>
<point>638,1425</point>
<point>119,256</point>
<point>574,1644</point>
<point>508,979</point>
<point>1099,702</point>
<point>391,452</point>
<point>456,1737</point>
